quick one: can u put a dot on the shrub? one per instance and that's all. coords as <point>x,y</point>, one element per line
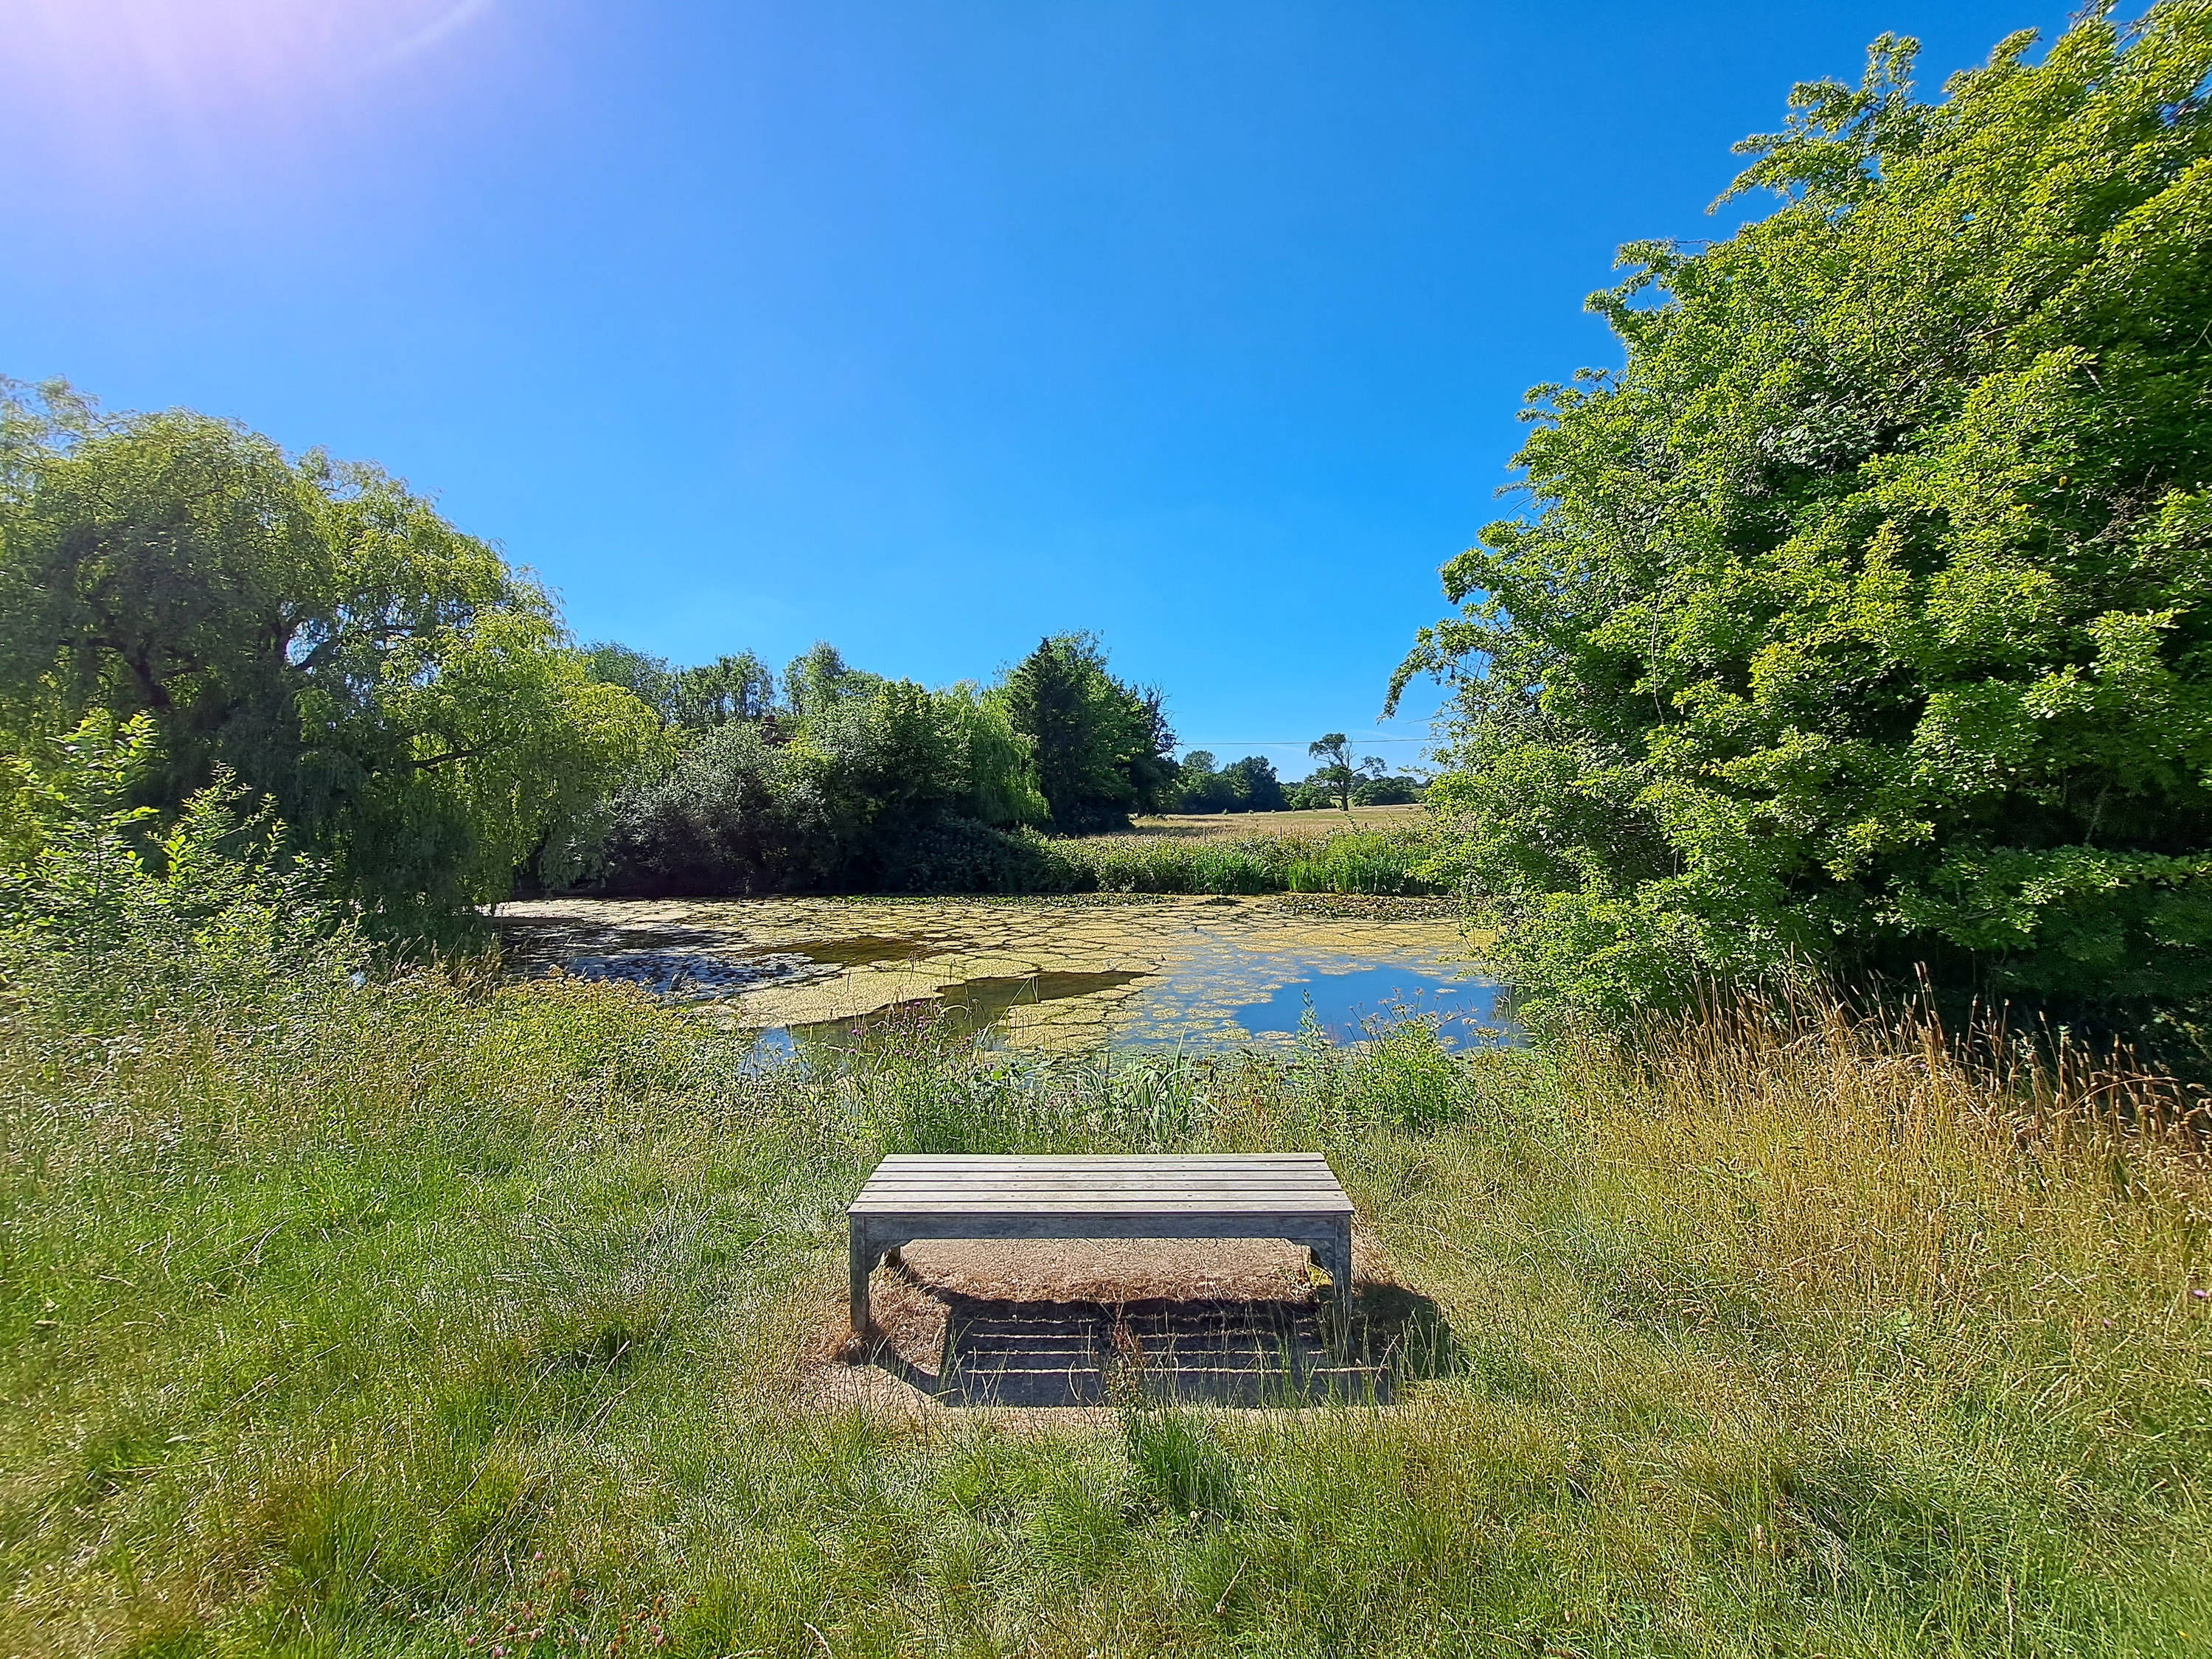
<point>958,855</point>
<point>112,917</point>
<point>1862,616</point>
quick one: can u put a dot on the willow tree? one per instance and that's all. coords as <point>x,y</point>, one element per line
<point>1864,615</point>
<point>409,701</point>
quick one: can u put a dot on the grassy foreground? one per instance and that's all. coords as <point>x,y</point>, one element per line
<point>427,1319</point>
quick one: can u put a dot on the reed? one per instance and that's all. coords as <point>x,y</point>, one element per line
<point>1323,861</point>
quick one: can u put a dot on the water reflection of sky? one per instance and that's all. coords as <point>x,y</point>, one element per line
<point>1221,995</point>
<point>1189,974</point>
<point>1466,1010</point>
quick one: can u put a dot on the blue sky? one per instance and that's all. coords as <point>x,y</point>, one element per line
<point>924,327</point>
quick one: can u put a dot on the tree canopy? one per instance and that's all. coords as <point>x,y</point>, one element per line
<point>1248,784</point>
<point>865,781</point>
<point>410,702</point>
<point>1102,748</point>
<point>1341,773</point>
<point>1862,616</point>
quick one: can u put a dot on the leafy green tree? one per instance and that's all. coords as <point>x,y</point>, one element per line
<point>1865,616</point>
<point>738,688</point>
<point>1252,785</point>
<point>1248,784</point>
<point>879,768</point>
<point>410,702</point>
<point>995,784</point>
<point>1341,774</point>
<point>648,678</point>
<point>821,678</point>
<point>109,908</point>
<point>1199,785</point>
<point>730,687</point>
<point>1101,749</point>
<point>1383,790</point>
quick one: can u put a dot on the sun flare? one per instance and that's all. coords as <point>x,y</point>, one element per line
<point>215,48</point>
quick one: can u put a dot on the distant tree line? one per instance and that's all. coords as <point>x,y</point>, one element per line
<point>314,635</point>
<point>1251,785</point>
<point>841,778</point>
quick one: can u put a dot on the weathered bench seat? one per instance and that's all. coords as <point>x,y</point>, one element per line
<point>1287,1195</point>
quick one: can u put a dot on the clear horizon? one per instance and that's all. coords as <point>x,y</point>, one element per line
<point>928,331</point>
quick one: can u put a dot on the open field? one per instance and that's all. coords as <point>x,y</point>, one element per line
<point>1285,824</point>
<point>427,1320</point>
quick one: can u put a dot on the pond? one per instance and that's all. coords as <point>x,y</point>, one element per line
<point>1060,973</point>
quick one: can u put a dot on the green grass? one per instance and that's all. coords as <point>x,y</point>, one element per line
<point>1325,861</point>
<point>428,1320</point>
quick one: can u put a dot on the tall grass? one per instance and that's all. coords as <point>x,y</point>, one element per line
<point>1386,861</point>
<point>432,1316</point>
<point>436,1314</point>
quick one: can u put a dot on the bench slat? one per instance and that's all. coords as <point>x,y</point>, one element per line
<point>1079,1200</point>
<point>1117,1166</point>
<point>1108,1207</point>
<point>1293,1195</point>
<point>1075,1192</point>
<point>1227,1161</point>
<point>1104,1177</point>
<point>991,1160</point>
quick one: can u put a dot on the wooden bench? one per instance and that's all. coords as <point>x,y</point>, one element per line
<point>1287,1195</point>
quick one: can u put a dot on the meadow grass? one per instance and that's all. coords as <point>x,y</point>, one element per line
<point>442,1316</point>
<point>1330,858</point>
<point>1318,821</point>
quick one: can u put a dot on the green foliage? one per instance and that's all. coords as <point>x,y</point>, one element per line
<point>1344,781</point>
<point>1865,616</point>
<point>1335,861</point>
<point>854,782</point>
<point>1244,785</point>
<point>1339,774</point>
<point>738,688</point>
<point>814,683</point>
<point>1373,863</point>
<point>110,915</point>
<point>1100,749</point>
<point>1388,791</point>
<point>648,678</point>
<point>735,688</point>
<point>412,1318</point>
<point>408,702</point>
<point>960,855</point>
<point>868,783</point>
<point>1148,863</point>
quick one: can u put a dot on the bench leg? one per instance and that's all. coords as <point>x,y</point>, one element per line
<point>1332,1256</point>
<point>1334,1253</point>
<point>863,1263</point>
<point>1339,1266</point>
